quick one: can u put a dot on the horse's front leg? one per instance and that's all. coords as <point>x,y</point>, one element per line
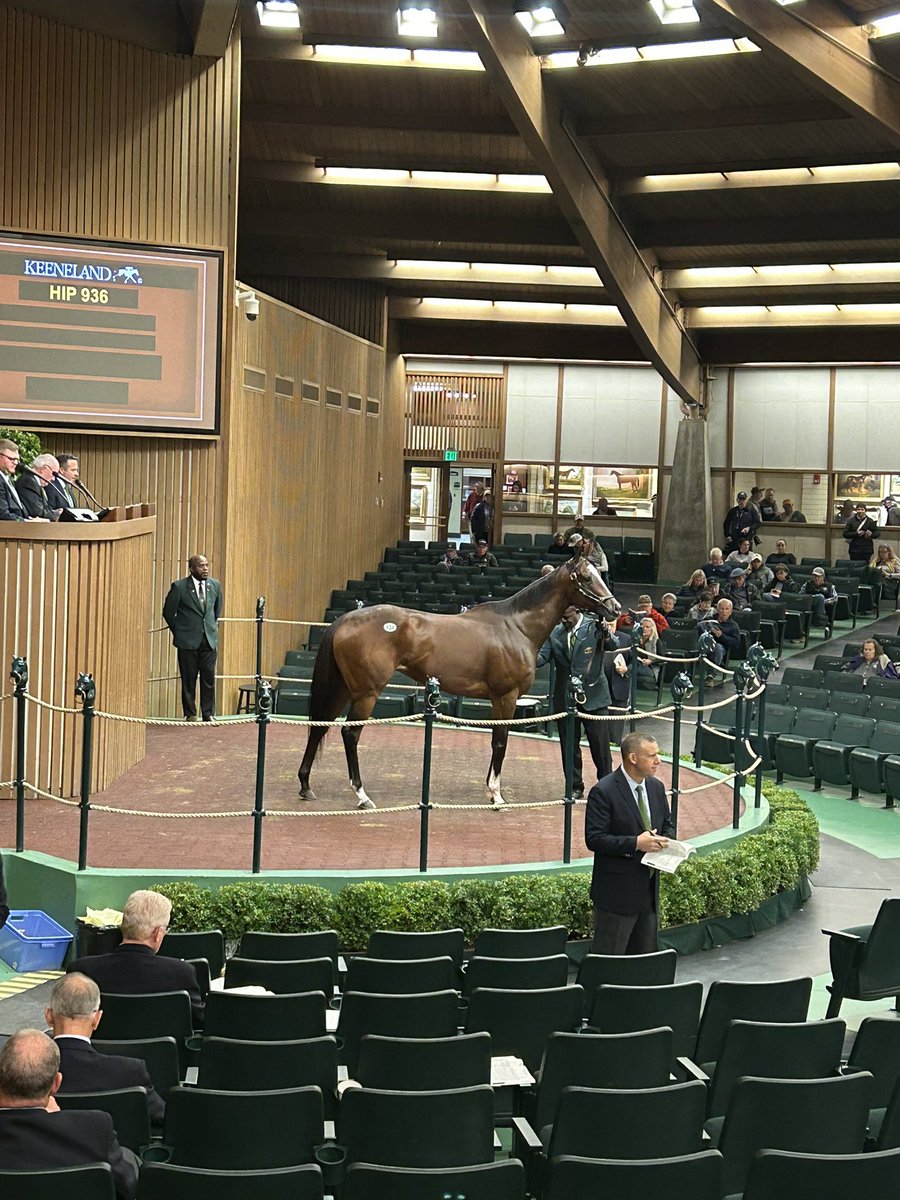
<point>503,709</point>
<point>361,710</point>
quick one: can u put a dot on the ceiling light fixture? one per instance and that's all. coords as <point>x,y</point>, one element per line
<point>675,12</point>
<point>884,26</point>
<point>417,20</point>
<point>278,14</point>
<point>589,55</point>
<point>540,20</point>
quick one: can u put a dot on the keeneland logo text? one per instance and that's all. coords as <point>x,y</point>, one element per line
<point>94,272</point>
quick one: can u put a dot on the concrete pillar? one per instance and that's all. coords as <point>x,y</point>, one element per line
<point>688,524</point>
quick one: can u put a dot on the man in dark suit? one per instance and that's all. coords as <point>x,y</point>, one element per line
<point>35,1135</point>
<point>192,610</point>
<point>576,647</point>
<point>32,486</point>
<point>73,1014</point>
<point>859,532</point>
<point>134,968</point>
<point>61,489</point>
<point>11,506</point>
<point>627,815</point>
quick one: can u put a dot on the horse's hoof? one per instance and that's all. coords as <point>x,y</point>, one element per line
<point>306,793</point>
<point>365,803</point>
<point>497,802</point>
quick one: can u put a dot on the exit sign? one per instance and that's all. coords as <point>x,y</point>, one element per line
<point>451,455</point>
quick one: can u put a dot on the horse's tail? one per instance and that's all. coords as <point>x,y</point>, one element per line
<point>326,696</point>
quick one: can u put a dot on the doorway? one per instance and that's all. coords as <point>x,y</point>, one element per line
<point>436,496</point>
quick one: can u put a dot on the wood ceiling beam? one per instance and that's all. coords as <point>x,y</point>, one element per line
<point>753,231</point>
<point>377,227</point>
<point>822,46</point>
<point>211,23</point>
<point>304,117</point>
<point>582,193</point>
<point>698,120</point>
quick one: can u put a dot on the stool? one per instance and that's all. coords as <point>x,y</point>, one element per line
<point>246,698</point>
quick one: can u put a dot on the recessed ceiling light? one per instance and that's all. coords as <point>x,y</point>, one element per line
<point>675,12</point>
<point>417,21</point>
<point>542,20</point>
<point>278,14</point>
<point>884,26</point>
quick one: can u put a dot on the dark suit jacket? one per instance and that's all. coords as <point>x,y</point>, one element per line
<point>33,496</point>
<point>585,659</point>
<point>56,496</point>
<point>612,825</point>
<point>32,1139</point>
<point>187,620</point>
<point>85,1069</point>
<point>11,506</point>
<point>134,970</point>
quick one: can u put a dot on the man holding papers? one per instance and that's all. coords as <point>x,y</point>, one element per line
<point>627,816</point>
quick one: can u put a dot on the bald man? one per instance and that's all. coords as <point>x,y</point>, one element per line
<point>192,610</point>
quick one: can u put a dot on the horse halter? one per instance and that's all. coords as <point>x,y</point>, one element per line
<point>589,595</point>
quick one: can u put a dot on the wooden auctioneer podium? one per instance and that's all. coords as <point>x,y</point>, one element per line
<point>76,597</point>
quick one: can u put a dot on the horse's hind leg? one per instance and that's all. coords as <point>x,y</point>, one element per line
<point>360,710</point>
<point>313,742</point>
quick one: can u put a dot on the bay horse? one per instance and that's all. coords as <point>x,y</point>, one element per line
<point>488,652</point>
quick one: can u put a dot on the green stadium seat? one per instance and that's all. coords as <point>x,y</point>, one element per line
<point>126,1106</point>
<point>726,1001</point>
<point>393,977</point>
<point>796,677</point>
<point>841,681</point>
<point>805,697</point>
<point>501,1180</point>
<point>619,1009</point>
<point>283,977</point>
<point>233,1064</point>
<point>388,943</point>
<point>163,1181</point>
<point>515,973</point>
<point>854,704</point>
<point>864,960</point>
<point>265,1018</point>
<point>630,970</point>
<point>776,1175</point>
<point>522,943</point>
<point>424,1064</point>
<point>793,751</point>
<point>689,1177</point>
<point>520,1022</point>
<point>831,757</point>
<point>779,719</point>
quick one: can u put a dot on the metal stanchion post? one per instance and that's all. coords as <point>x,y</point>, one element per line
<point>705,645</point>
<point>633,665</point>
<point>743,675</point>
<point>574,697</point>
<point>682,689</point>
<point>260,619</point>
<point>86,689</point>
<point>263,710</point>
<point>433,702</point>
<point>19,675</point>
<point>763,663</point>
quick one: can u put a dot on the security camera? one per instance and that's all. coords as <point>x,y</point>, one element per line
<point>249,301</point>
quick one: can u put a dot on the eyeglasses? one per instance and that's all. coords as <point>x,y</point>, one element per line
<point>12,458</point>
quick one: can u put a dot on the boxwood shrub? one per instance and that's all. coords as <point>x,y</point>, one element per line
<point>720,884</point>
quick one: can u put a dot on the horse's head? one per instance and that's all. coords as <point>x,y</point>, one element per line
<point>588,591</point>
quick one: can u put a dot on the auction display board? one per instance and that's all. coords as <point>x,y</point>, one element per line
<point>100,334</point>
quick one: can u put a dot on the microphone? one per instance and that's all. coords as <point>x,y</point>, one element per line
<point>25,467</point>
<point>82,488</point>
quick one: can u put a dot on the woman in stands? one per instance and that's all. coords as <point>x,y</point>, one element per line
<point>694,588</point>
<point>558,546</point>
<point>782,585</point>
<point>887,563</point>
<point>871,662</point>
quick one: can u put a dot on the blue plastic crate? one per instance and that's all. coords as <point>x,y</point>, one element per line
<point>32,941</point>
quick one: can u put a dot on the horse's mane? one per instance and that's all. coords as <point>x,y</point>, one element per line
<point>530,596</point>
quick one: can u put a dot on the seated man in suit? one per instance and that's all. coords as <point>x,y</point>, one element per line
<point>133,968</point>
<point>32,487</point>
<point>627,815</point>
<point>35,1135</point>
<point>73,1014</point>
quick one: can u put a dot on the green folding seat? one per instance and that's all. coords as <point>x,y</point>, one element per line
<point>163,1181</point>
<point>205,943</point>
<point>864,960</point>
<point>93,1182</point>
<point>884,687</point>
<point>783,1000</point>
<point>126,1106</point>
<point>522,943</point>
<point>851,704</point>
<point>300,658</point>
<point>284,977</point>
<point>628,970</point>
<point>620,1009</point>
<point>265,1018</point>
<point>394,944</point>
<point>884,708</point>
<point>519,540</point>
<point>827,662</point>
<point>831,757</point>
<point>160,1056</point>
<point>501,1180</point>
<point>688,1177</point>
<point>807,697</point>
<point>891,770</point>
<point>516,973</point>
<point>392,703</point>
<point>160,1014</point>
<point>417,1015</point>
<point>793,751</point>
<point>520,1022</point>
<point>424,1064</point>
<point>453,1127</point>
<point>797,677</point>
<point>798,617</point>
<point>233,1064</point>
<point>779,719</point>
<point>292,701</point>
<point>876,1048</point>
<point>841,681</point>
<point>289,947</point>
<point>865,768</point>
<point>777,693</point>
<point>391,976</point>
<point>778,1175</point>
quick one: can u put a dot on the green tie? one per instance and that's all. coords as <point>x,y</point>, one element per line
<point>571,642</point>
<point>643,807</point>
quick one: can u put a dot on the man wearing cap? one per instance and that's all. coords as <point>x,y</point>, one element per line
<point>740,523</point>
<point>760,576</point>
<point>790,514</point>
<point>582,531</point>
<point>482,556</point>
<point>739,590</point>
<point>824,597</point>
<point>859,532</point>
<point>891,511</point>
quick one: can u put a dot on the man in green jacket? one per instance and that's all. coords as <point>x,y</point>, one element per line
<point>192,610</point>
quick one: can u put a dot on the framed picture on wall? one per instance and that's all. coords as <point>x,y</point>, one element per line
<point>859,485</point>
<point>571,479</point>
<point>418,501</point>
<point>623,483</point>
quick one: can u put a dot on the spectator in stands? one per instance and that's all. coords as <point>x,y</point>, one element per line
<point>823,594</point>
<point>872,662</point>
<point>667,603</point>
<point>643,608</point>
<point>603,508</point>
<point>782,585</point>
<point>739,557</point>
<point>61,490</point>
<point>450,559</point>
<point>73,1014</point>
<point>715,589</point>
<point>11,506</point>
<point>694,587</point>
<point>781,555</point>
<point>891,511</point>
<point>558,546</point>
<point>740,523</point>
<point>35,1135</point>
<point>581,529</point>
<point>860,532</point>
<point>844,513</point>
<point>474,497</point>
<point>768,506</point>
<point>702,610</point>
<point>760,576</point>
<point>739,590</point>
<point>888,566</point>
<point>716,568</point>
<point>650,642</point>
<point>134,967</point>
<point>789,514</point>
<point>576,647</point>
<point>482,556</point>
<point>753,503</point>
<point>481,522</point>
<point>727,633</point>
<point>596,556</point>
<point>32,487</point>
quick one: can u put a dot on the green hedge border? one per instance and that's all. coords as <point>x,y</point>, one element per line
<point>723,884</point>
